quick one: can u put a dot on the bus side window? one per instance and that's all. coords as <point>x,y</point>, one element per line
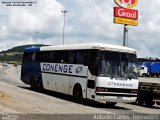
<point>33,57</point>
<point>27,56</point>
<point>38,57</point>
<point>49,57</point>
<point>81,56</point>
<point>69,57</point>
<point>59,56</point>
<point>52,57</point>
<point>93,62</point>
<point>42,57</point>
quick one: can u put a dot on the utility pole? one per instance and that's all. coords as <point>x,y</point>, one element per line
<point>64,12</point>
<point>125,36</point>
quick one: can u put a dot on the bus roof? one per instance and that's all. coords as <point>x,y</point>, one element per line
<point>32,49</point>
<point>99,46</point>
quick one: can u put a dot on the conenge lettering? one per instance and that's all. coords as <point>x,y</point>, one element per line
<point>59,68</point>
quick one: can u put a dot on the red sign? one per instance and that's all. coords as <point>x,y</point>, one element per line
<point>125,13</point>
<point>126,3</point>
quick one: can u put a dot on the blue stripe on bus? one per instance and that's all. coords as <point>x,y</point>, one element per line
<point>32,49</point>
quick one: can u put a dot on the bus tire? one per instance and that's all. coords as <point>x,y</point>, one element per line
<point>140,102</point>
<point>152,74</point>
<point>158,103</point>
<point>77,93</point>
<point>33,83</point>
<point>40,87</point>
<point>141,97</point>
<point>144,75</point>
<point>110,104</point>
<point>149,103</point>
<point>157,75</point>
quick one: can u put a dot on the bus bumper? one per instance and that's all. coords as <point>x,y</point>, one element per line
<point>104,99</point>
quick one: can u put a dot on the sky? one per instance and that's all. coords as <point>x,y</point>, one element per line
<point>87,21</point>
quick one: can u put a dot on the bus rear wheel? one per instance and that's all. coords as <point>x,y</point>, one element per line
<point>77,93</point>
<point>33,83</point>
<point>110,104</point>
<point>40,85</point>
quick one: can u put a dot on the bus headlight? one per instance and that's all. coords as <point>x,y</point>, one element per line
<point>99,89</point>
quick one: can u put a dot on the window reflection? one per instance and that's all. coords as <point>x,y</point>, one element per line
<point>118,65</point>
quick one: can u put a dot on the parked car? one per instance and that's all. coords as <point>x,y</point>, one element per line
<point>4,64</point>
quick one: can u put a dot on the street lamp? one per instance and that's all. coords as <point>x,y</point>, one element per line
<point>64,12</point>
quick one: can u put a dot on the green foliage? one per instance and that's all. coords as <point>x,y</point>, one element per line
<point>15,54</point>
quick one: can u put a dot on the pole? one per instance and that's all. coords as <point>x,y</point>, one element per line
<point>64,12</point>
<point>63,28</point>
<point>125,36</point>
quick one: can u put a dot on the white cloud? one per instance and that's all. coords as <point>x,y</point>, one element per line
<point>3,31</point>
<point>43,16</point>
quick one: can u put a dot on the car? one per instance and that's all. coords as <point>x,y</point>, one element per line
<point>4,64</point>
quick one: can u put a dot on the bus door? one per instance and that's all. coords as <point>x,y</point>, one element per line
<point>93,64</point>
<point>91,87</point>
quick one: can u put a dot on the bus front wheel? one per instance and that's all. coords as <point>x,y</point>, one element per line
<point>77,93</point>
<point>149,103</point>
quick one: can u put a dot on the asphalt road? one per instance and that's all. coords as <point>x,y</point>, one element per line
<point>9,75</point>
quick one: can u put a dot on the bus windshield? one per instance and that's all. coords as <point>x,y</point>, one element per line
<point>118,65</point>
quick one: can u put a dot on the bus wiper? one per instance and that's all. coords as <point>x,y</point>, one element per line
<point>129,78</point>
<point>112,77</point>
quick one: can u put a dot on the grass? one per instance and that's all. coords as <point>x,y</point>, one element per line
<point>11,57</point>
<point>13,53</point>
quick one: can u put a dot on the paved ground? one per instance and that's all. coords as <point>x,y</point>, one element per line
<point>17,98</point>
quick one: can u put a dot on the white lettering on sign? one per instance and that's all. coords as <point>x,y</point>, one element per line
<point>126,14</point>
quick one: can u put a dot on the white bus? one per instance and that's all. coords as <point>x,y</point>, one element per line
<point>99,72</point>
